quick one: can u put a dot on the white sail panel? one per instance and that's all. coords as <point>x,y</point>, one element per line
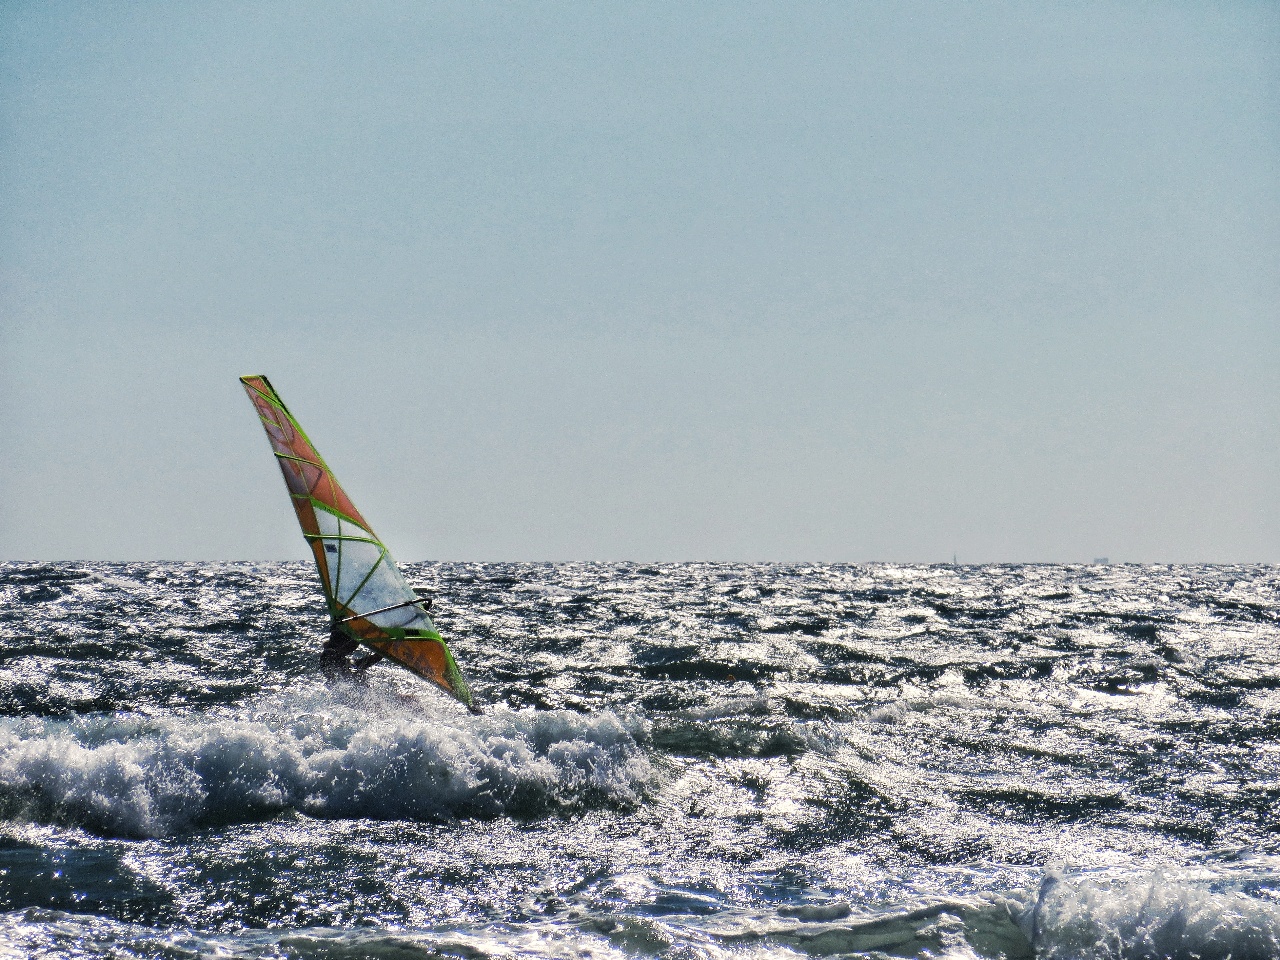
<point>355,559</point>
<point>333,526</point>
<point>383,589</point>
<point>327,523</point>
<point>387,584</point>
<point>348,529</point>
<point>349,560</point>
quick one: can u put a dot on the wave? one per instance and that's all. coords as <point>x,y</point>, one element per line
<point>1206,914</point>
<point>1210,914</point>
<point>326,755</point>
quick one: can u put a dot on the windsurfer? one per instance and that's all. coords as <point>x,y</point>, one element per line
<point>367,597</point>
<point>340,646</point>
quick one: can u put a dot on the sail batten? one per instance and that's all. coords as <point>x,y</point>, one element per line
<point>381,610</point>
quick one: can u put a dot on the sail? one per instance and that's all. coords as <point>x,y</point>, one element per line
<point>367,596</point>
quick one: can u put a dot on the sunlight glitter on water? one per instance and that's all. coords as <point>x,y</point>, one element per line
<point>924,761</point>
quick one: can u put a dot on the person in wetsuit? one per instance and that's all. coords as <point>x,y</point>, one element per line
<point>340,646</point>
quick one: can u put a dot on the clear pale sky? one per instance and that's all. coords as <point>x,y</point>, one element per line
<point>788,281</point>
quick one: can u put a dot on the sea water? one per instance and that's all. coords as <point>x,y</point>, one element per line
<point>676,760</point>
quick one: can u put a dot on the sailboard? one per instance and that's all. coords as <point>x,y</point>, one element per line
<point>367,596</point>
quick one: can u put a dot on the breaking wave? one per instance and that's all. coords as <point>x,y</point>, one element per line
<point>362,757</point>
<point>1179,915</point>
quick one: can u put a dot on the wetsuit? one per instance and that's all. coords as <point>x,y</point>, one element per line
<point>339,646</point>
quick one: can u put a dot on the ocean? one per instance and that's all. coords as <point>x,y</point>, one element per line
<point>676,760</point>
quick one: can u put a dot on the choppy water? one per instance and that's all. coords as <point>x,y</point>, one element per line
<point>682,760</point>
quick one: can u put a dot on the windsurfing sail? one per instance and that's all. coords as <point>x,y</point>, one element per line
<point>367,596</point>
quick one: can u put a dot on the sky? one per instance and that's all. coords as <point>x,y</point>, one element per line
<point>855,281</point>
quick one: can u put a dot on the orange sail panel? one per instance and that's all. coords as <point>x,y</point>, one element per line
<point>367,596</point>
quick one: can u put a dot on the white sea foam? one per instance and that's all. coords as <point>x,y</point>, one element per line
<point>131,776</point>
<point>1172,914</point>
